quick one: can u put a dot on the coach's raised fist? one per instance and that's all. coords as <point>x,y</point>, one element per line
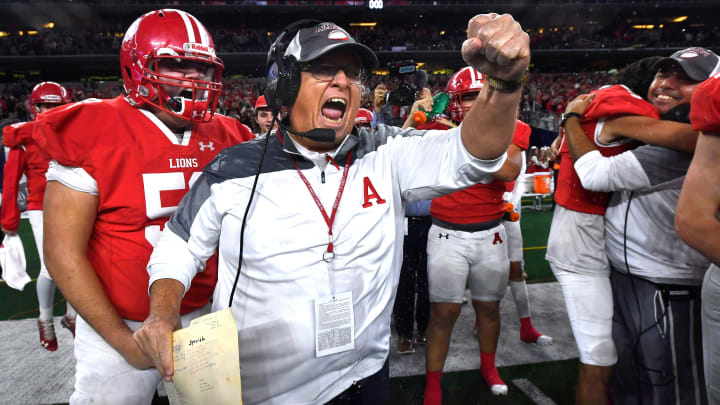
<point>497,46</point>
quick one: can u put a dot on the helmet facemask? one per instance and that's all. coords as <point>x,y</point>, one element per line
<point>191,99</point>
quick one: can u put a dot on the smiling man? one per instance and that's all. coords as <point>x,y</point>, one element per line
<point>654,276</point>
<point>311,280</point>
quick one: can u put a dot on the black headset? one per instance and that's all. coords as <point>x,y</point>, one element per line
<point>283,77</point>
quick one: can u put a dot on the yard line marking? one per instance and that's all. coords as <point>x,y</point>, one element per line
<point>32,280</point>
<point>533,392</point>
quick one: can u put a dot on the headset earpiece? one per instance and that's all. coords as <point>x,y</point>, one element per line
<point>283,78</point>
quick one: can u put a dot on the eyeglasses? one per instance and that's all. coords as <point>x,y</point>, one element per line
<point>325,72</point>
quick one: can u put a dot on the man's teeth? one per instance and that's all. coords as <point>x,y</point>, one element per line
<point>337,100</point>
<point>664,97</point>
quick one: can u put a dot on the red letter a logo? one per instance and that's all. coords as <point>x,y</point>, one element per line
<point>370,193</point>
<point>497,238</point>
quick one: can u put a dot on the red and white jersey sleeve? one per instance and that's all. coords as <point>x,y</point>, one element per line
<point>521,139</point>
<point>609,102</point>
<point>12,172</point>
<point>705,106</point>
<point>35,162</point>
<point>142,171</point>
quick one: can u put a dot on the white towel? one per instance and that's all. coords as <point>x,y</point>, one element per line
<point>12,260</point>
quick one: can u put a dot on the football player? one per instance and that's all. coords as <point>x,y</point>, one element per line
<point>120,168</point>
<point>594,232</point>
<point>25,157</point>
<point>363,118</point>
<point>467,241</point>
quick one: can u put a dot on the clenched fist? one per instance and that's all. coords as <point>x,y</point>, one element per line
<point>497,46</point>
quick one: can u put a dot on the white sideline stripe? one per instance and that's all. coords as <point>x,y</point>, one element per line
<point>533,392</point>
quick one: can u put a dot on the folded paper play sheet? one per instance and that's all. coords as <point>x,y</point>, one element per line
<point>207,365</point>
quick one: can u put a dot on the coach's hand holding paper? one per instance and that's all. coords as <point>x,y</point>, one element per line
<point>204,368</point>
<point>206,364</point>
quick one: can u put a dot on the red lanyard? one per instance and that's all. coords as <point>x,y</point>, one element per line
<point>328,220</point>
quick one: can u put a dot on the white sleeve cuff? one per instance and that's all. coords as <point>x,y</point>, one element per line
<point>613,173</point>
<point>75,178</point>
<point>172,259</point>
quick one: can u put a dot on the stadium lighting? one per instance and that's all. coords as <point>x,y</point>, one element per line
<point>680,19</point>
<point>49,25</point>
<point>32,32</point>
<point>363,24</point>
<point>4,34</point>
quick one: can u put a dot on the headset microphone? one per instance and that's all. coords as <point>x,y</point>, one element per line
<point>324,135</point>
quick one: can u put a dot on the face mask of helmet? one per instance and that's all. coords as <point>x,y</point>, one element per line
<point>183,85</point>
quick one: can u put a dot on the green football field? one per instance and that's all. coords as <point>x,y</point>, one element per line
<point>540,382</point>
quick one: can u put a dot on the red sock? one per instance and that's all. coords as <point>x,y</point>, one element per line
<point>488,370</point>
<point>527,331</point>
<point>433,391</point>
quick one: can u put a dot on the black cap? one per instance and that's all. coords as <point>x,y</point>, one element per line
<point>313,42</point>
<point>697,63</point>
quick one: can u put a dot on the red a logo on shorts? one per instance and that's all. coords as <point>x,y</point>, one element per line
<point>370,193</point>
<point>497,238</point>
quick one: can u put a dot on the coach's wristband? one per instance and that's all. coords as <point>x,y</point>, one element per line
<point>507,86</point>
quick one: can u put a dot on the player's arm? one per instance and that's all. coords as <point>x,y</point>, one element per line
<point>510,170</point>
<point>670,134</point>
<point>69,216</point>
<point>425,101</point>
<point>577,140</point>
<point>696,218</point>
<point>12,172</point>
<point>499,48</point>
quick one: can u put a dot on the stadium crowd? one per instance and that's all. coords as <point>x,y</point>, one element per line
<point>89,38</point>
<point>439,174</point>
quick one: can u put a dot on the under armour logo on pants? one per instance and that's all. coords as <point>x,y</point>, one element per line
<point>444,235</point>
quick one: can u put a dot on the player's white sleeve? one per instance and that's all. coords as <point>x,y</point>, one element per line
<point>603,173</point>
<point>75,178</point>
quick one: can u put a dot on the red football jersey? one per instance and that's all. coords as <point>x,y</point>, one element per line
<point>521,139</point>
<point>609,102</point>
<point>705,106</point>
<point>481,202</point>
<point>142,172</point>
<point>24,157</point>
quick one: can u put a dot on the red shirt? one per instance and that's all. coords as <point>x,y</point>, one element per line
<point>609,102</point>
<point>481,202</point>
<point>24,157</point>
<point>141,174</point>
<point>521,139</point>
<point>705,106</point>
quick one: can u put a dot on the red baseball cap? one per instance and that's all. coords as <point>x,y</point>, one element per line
<point>261,103</point>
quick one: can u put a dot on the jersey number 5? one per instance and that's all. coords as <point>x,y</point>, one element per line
<point>154,183</point>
